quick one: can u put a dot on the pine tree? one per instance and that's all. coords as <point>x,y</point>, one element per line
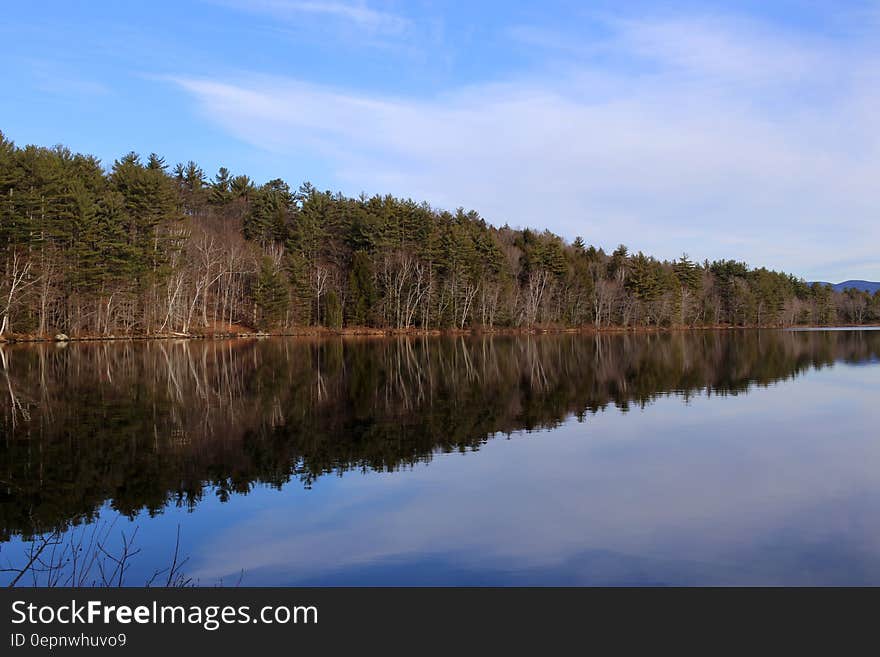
<point>687,272</point>
<point>268,218</point>
<point>156,163</point>
<point>242,187</point>
<point>221,192</point>
<point>362,290</point>
<point>332,310</point>
<point>644,280</point>
<point>271,296</point>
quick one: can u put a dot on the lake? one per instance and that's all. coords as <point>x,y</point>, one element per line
<point>683,458</point>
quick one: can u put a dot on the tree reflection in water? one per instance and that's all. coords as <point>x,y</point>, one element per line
<point>145,424</point>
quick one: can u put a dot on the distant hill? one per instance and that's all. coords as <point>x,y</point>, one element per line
<point>866,286</point>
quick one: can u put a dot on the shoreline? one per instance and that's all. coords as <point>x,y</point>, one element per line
<point>366,332</point>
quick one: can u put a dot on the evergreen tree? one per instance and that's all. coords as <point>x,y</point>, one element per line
<point>221,191</point>
<point>362,290</point>
<point>333,311</point>
<point>271,296</point>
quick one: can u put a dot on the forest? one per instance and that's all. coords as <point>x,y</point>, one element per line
<point>143,248</point>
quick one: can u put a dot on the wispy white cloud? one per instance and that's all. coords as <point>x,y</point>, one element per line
<point>727,49</point>
<point>52,78</point>
<point>735,142</point>
<point>358,13</point>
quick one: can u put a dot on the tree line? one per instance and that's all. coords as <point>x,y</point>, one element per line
<point>144,248</point>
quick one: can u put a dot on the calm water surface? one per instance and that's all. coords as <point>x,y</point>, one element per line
<point>733,457</point>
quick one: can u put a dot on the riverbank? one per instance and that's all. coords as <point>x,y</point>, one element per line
<point>362,331</point>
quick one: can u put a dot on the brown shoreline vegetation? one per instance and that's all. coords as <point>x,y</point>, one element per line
<point>369,332</point>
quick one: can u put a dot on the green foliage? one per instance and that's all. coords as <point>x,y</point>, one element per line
<point>221,187</point>
<point>687,273</point>
<point>332,311</point>
<point>362,290</point>
<point>271,296</point>
<point>644,279</point>
<point>268,217</point>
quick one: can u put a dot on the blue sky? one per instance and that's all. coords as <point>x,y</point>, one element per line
<point>747,130</point>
